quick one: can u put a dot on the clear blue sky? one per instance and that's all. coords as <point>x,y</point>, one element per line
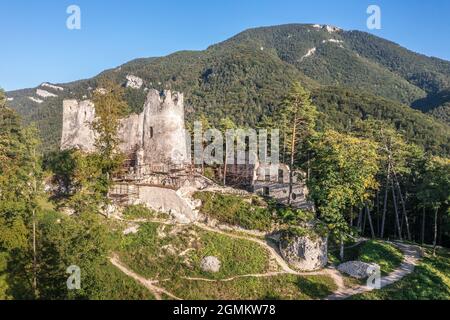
<point>36,46</point>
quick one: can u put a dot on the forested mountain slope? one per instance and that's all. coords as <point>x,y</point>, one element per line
<point>246,77</point>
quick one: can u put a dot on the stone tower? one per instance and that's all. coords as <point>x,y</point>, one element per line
<point>164,134</point>
<point>157,136</point>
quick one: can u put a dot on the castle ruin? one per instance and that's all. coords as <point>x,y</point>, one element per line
<point>158,170</point>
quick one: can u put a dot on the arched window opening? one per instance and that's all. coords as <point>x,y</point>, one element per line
<point>280,176</point>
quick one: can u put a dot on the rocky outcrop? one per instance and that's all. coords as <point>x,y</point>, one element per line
<point>332,41</point>
<point>358,269</point>
<point>328,28</point>
<point>131,230</point>
<point>45,94</point>
<point>36,100</point>
<point>310,53</point>
<point>134,82</point>
<point>305,253</point>
<point>158,132</point>
<point>51,86</point>
<point>210,264</point>
<point>169,201</point>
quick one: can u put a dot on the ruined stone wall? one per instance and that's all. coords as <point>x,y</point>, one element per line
<point>273,180</point>
<point>158,133</point>
<point>76,131</point>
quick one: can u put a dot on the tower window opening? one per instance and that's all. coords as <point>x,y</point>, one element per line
<point>280,176</point>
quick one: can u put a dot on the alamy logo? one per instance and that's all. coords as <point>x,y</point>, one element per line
<point>74,280</point>
<point>374,280</point>
<point>374,20</point>
<point>235,146</point>
<point>74,20</point>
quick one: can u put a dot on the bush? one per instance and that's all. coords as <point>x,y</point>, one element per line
<point>139,212</point>
<point>235,210</point>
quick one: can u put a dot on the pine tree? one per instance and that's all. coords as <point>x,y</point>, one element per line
<point>297,119</point>
<point>21,186</point>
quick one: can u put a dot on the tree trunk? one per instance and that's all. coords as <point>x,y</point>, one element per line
<point>34,256</point>
<point>308,172</point>
<point>364,215</point>
<point>291,171</point>
<point>107,195</point>
<point>369,217</point>
<point>341,250</point>
<point>35,190</point>
<point>383,219</point>
<point>402,201</point>
<point>359,224</point>
<point>397,219</point>
<point>225,170</point>
<point>423,225</point>
<point>378,212</point>
<point>351,217</point>
<point>435,231</point>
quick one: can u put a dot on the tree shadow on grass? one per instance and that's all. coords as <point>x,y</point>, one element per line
<point>313,288</point>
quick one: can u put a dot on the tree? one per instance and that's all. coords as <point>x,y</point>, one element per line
<point>81,241</point>
<point>89,183</point>
<point>62,165</point>
<point>342,177</point>
<point>21,186</point>
<point>296,118</point>
<point>110,107</point>
<point>2,98</point>
<point>434,190</point>
<point>226,124</point>
<point>205,125</point>
<point>397,162</point>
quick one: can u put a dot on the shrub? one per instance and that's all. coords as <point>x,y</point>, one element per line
<point>235,210</point>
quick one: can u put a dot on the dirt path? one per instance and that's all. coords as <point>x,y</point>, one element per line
<point>410,261</point>
<point>149,284</point>
<point>271,248</point>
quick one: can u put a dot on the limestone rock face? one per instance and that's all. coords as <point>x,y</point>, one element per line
<point>51,86</point>
<point>168,201</point>
<point>131,230</point>
<point>304,253</point>
<point>358,269</point>
<point>134,82</point>
<point>210,264</point>
<point>158,132</point>
<point>45,94</point>
<point>36,100</point>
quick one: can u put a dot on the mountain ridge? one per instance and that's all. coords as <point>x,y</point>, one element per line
<point>247,75</point>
